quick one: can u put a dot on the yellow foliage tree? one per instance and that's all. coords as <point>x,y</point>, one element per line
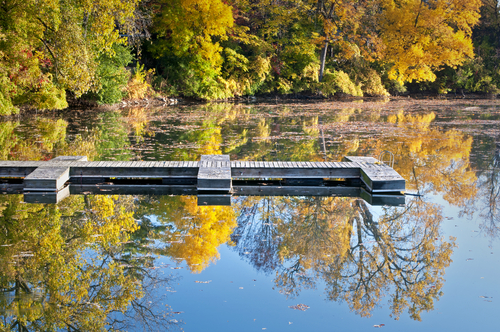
<point>422,36</point>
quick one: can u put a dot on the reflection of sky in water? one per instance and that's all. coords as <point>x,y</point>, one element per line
<point>225,306</point>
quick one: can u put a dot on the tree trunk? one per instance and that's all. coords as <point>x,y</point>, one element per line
<point>323,60</point>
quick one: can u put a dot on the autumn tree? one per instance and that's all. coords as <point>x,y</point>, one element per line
<point>420,37</point>
<point>49,47</point>
<point>188,32</point>
<point>351,28</point>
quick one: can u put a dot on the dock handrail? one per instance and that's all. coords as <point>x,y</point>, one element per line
<point>389,162</point>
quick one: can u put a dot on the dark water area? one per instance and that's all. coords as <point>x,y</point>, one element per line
<point>295,263</point>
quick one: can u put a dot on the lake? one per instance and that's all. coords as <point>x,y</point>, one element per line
<point>277,263</point>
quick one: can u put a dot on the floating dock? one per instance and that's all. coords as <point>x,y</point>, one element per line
<point>213,176</point>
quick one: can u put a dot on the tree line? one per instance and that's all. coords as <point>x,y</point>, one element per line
<point>104,51</point>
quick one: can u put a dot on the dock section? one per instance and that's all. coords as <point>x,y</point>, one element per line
<point>48,183</point>
<point>377,176</point>
<point>51,181</point>
<point>214,173</point>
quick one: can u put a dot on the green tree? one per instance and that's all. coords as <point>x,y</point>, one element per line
<point>112,76</point>
<point>186,39</point>
<point>48,47</point>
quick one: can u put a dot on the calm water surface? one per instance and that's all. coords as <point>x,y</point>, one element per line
<point>152,263</point>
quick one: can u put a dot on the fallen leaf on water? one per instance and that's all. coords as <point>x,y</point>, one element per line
<point>299,306</point>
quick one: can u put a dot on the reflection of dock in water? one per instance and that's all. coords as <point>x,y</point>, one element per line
<point>214,179</point>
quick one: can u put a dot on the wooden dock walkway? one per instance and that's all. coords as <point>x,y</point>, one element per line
<point>213,174</point>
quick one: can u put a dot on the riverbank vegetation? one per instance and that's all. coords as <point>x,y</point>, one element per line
<point>52,52</point>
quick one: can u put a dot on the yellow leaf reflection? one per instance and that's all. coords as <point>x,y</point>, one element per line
<point>64,266</point>
<point>430,159</point>
<point>362,261</point>
<point>193,232</point>
<point>137,119</point>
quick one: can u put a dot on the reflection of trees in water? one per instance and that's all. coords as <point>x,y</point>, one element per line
<point>431,160</point>
<point>185,231</point>
<point>65,267</point>
<point>401,255</point>
<point>41,139</point>
<point>256,237</point>
<point>489,187</point>
<point>113,141</point>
